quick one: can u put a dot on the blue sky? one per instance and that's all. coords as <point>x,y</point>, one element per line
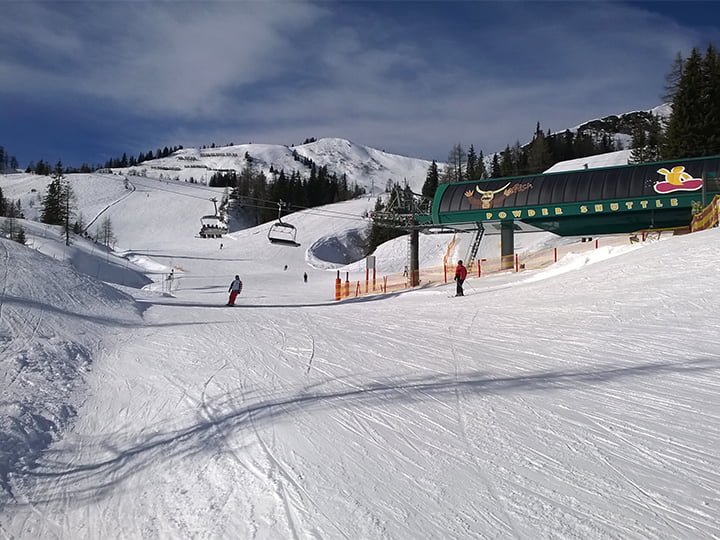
<point>83,82</point>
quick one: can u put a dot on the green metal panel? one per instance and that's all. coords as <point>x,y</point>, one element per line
<point>591,201</point>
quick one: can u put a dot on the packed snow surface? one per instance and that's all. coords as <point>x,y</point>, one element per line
<point>578,401</point>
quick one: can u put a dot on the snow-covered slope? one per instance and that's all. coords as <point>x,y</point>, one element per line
<point>52,323</point>
<point>367,167</point>
<point>575,402</point>
<point>611,159</point>
<point>578,401</point>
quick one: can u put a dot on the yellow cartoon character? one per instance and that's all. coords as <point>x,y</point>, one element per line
<point>677,180</point>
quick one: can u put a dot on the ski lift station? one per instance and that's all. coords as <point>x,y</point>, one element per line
<point>610,200</point>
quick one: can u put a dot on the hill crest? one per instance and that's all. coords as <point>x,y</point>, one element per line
<point>369,168</point>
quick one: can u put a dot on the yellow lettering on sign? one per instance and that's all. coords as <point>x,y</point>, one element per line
<point>488,215</point>
<point>598,207</point>
<point>673,202</point>
<point>531,213</point>
<point>558,211</point>
<point>517,213</point>
<point>502,215</point>
<point>583,209</point>
<point>544,212</point>
<point>658,204</point>
<point>629,205</point>
<point>644,204</point>
<point>614,207</point>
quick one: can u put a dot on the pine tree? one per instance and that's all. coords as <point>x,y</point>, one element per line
<point>710,95</point>
<point>496,171</point>
<point>655,139</point>
<point>471,165</point>
<point>639,144</point>
<point>53,206</point>
<point>538,153</point>
<point>377,234</point>
<point>507,164</point>
<point>672,79</point>
<point>432,179</point>
<point>68,210</point>
<point>683,137</point>
<point>647,137</point>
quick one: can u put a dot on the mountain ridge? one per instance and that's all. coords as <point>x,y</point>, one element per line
<point>369,168</point>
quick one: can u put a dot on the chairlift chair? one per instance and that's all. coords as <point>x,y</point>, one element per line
<point>282,233</point>
<point>212,227</point>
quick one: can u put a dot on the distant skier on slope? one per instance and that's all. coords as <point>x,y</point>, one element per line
<point>234,290</point>
<point>460,275</point>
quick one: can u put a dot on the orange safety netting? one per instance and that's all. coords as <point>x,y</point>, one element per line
<point>438,275</point>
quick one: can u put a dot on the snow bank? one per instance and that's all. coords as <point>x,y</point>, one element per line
<point>52,326</point>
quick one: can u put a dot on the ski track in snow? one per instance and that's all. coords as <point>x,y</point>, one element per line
<point>564,404</point>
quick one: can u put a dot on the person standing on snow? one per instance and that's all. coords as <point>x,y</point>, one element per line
<point>460,275</point>
<point>234,290</point>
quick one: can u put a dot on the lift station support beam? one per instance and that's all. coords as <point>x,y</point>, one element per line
<point>507,245</point>
<point>414,258</point>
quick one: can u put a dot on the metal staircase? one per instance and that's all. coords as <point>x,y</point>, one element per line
<point>472,252</point>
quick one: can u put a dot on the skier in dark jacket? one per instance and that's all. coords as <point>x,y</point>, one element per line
<point>460,275</point>
<point>234,290</point>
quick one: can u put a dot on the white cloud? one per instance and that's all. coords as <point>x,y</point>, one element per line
<point>158,57</point>
<point>416,77</point>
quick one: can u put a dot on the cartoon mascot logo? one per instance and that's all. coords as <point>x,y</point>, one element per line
<point>490,197</point>
<point>677,180</point>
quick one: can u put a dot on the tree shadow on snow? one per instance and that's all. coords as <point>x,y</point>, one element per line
<point>214,421</point>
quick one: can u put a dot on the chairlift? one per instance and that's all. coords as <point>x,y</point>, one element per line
<point>211,226</point>
<point>282,233</point>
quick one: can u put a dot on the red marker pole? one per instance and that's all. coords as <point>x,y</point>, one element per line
<point>338,286</point>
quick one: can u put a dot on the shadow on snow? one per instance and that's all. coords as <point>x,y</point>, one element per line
<point>129,453</point>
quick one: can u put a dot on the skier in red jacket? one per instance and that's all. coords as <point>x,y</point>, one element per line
<point>460,275</point>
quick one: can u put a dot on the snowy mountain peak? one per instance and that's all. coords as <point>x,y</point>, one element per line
<point>367,167</point>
